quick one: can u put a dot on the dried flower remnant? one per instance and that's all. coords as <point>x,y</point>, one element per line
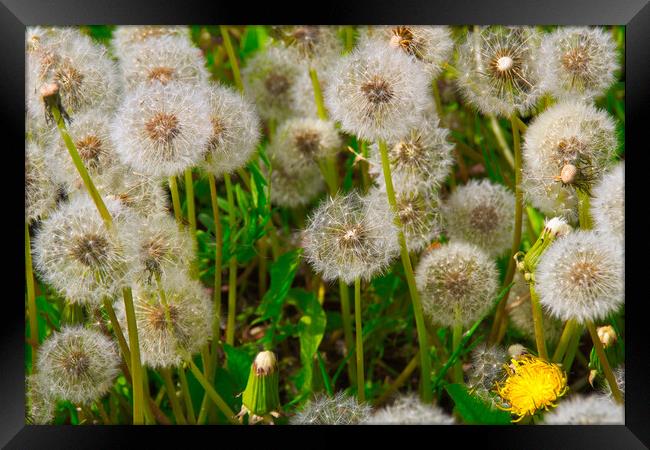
<point>608,204</point>
<point>341,409</point>
<point>409,410</point>
<point>586,410</point>
<point>499,71</point>
<point>302,142</point>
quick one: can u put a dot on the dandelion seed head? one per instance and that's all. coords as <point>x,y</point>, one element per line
<point>41,404</point>
<point>409,410</point>
<point>377,93</point>
<point>126,38</point>
<point>581,277</point>
<point>487,366</point>
<point>346,238</point>
<point>41,192</point>
<point>78,364</point>
<point>341,409</point>
<point>162,129</point>
<point>480,212</point>
<point>578,62</point>
<point>499,69</point>
<point>292,188</point>
<point>301,92</point>
<point>586,410</point>
<point>457,279</point>
<point>317,45</point>
<point>608,204</point>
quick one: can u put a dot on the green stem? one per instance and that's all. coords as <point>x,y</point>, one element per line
<point>176,201</point>
<point>136,366</point>
<point>400,380</point>
<point>117,329</point>
<point>607,369</point>
<point>214,396</point>
<point>538,323</point>
<point>425,357</point>
<point>185,389</point>
<point>191,216</point>
<point>318,94</point>
<point>328,166</point>
<point>31,298</point>
<point>572,349</point>
<point>584,210</point>
<point>365,177</point>
<point>78,162</point>
<point>218,255</point>
<point>570,329</point>
<point>361,385</point>
<point>234,64</point>
<point>347,326</point>
<point>457,335</point>
<point>349,38</point>
<point>171,395</point>
<point>232,265</point>
<point>501,140</point>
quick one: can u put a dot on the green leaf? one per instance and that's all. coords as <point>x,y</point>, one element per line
<point>311,329</point>
<point>239,363</point>
<point>474,410</point>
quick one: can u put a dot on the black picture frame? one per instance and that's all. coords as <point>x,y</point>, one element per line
<point>15,15</point>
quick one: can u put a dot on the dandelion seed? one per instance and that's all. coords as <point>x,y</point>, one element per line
<point>578,62</point>
<point>586,410</point>
<point>498,69</point>
<point>41,192</point>
<point>608,204</point>
<point>581,277</point>
<point>377,93</point>
<point>162,129</point>
<point>341,409</point>
<point>409,410</point>
<point>78,364</point>
<point>142,194</point>
<point>457,280</point>
<point>487,366</point>
<point>347,239</point>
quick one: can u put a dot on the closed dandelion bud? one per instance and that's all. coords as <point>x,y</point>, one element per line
<point>268,77</point>
<point>78,256</point>
<point>235,131</point>
<point>41,406</point>
<point>480,213</point>
<point>586,410</point>
<point>294,188</point>
<point>341,409</point>
<point>78,364</point>
<point>487,366</point>
<point>377,93</point>
<point>409,410</point>
<point>301,142</point>
<point>127,37</point>
<point>261,398</point>
<point>581,277</point>
<point>578,62</point>
<point>82,70</point>
<point>457,283</point>
<point>432,45</point>
<point>499,69</point>
<point>165,59</point>
<point>613,351</point>
<point>168,329</point>
<point>41,192</point>
<point>554,228</point>
<point>531,384</point>
<point>348,239</point>
<point>607,335</point>
<point>162,129</point>
<point>608,204</point>
<point>567,147</point>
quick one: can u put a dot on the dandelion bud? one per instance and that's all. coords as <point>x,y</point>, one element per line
<point>261,397</point>
<point>341,409</point>
<point>580,277</point>
<point>586,410</point>
<point>578,62</point>
<point>607,335</point>
<point>41,192</point>
<point>347,239</point>
<point>457,282</point>
<point>608,204</point>
<point>480,213</point>
<point>553,229</point>
<point>409,410</point>
<point>78,364</point>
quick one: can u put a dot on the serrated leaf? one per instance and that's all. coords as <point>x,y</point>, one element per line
<point>311,329</point>
<point>474,410</point>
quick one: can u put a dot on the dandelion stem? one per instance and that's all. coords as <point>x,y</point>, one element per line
<point>216,322</point>
<point>501,140</point>
<point>457,335</point>
<point>31,298</point>
<point>117,329</point>
<point>328,166</point>
<point>232,266</point>
<point>234,64</point>
<point>538,323</point>
<point>361,385</point>
<point>584,214</point>
<point>365,177</point>
<point>136,366</point>
<point>572,349</point>
<point>425,357</point>
<point>191,216</point>
<point>176,201</point>
<point>349,38</point>
<point>171,395</point>
<point>400,380</point>
<point>216,398</point>
<point>347,326</point>
<point>607,369</point>
<point>185,389</point>
<point>569,330</point>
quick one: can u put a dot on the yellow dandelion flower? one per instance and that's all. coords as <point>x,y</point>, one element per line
<point>531,384</point>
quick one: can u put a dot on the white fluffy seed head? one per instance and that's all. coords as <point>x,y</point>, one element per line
<point>162,60</point>
<point>341,409</point>
<point>317,45</point>
<point>480,212</point>
<point>190,311</point>
<point>457,282</point>
<point>432,45</point>
<point>142,194</point>
<point>581,277</point>
<point>87,78</point>
<point>40,403</point>
<point>127,37</point>
<point>41,192</point>
<point>608,204</point>
<point>300,142</point>
<point>268,77</point>
<point>235,131</point>
<point>520,312</point>
<point>586,410</point>
<point>292,188</point>
<point>409,410</point>
<point>301,92</point>
<point>90,132</point>
<point>346,238</point>
<point>76,254</point>
<point>578,62</point>
<point>499,69</point>
<point>570,133</point>
<point>78,364</point>
<point>487,366</point>
<point>163,129</point>
<point>377,93</point>
<point>619,376</point>
<point>418,212</point>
